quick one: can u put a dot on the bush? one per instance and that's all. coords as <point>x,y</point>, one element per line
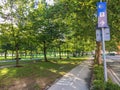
<point>99,84</point>
<point>98,72</point>
<point>112,86</point>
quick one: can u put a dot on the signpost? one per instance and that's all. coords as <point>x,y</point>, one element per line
<point>101,34</point>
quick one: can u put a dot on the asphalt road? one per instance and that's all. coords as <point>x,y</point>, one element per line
<point>114,63</point>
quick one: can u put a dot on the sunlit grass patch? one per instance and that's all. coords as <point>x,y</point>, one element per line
<point>4,71</point>
<point>49,71</point>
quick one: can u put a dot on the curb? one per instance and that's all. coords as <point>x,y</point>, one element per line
<point>113,76</point>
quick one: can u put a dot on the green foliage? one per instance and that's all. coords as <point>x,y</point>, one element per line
<point>31,27</point>
<point>112,86</point>
<point>98,71</point>
<point>99,84</point>
<point>69,21</point>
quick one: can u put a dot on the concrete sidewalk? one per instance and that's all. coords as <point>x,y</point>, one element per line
<point>77,79</point>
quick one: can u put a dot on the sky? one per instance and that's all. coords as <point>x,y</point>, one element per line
<point>49,2</point>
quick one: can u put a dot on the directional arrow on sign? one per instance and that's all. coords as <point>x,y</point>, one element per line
<point>102,23</point>
<point>101,6</point>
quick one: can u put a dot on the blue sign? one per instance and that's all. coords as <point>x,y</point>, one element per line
<point>102,14</point>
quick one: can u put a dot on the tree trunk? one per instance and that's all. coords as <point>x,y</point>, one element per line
<point>25,53</point>
<point>12,54</point>
<point>98,53</point>
<point>45,51</point>
<point>60,52</point>
<point>36,53</point>
<point>55,54</point>
<point>31,54</point>
<point>67,52</point>
<point>82,54</point>
<point>5,54</point>
<point>17,55</point>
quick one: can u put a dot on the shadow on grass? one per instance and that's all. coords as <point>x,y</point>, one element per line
<point>37,74</point>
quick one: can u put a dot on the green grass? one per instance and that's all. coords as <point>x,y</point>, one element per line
<point>41,56</point>
<point>27,60</point>
<point>14,63</point>
<point>44,72</point>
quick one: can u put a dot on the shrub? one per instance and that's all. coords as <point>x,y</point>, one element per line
<point>112,86</point>
<point>98,82</point>
<point>98,85</point>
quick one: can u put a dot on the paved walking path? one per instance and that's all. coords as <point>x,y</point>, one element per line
<point>6,66</point>
<point>77,79</point>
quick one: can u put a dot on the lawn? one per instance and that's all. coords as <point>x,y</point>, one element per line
<point>35,75</point>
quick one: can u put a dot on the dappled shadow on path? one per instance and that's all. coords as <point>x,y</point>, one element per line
<point>77,79</point>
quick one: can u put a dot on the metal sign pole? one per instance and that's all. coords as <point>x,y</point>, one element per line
<point>104,56</point>
<point>102,23</point>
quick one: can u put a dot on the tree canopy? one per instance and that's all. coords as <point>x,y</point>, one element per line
<point>65,25</point>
